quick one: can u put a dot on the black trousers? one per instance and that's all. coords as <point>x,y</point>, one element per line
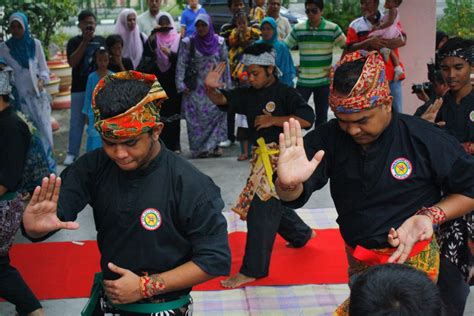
<point>453,288</point>
<point>170,135</point>
<point>231,126</point>
<point>264,221</point>
<point>15,290</point>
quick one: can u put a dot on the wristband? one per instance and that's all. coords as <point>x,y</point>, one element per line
<point>435,213</point>
<point>151,285</point>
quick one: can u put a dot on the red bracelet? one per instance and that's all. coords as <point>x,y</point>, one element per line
<point>435,213</point>
<point>144,281</point>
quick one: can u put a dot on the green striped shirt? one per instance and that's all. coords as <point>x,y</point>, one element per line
<point>315,46</point>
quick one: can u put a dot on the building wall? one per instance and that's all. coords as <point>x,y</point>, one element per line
<point>418,19</point>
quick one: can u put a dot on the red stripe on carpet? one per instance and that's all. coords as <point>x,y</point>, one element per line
<point>65,270</point>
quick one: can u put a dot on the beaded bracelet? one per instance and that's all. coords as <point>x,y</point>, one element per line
<point>151,285</point>
<point>435,213</point>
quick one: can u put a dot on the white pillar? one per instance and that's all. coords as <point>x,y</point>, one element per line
<point>418,19</point>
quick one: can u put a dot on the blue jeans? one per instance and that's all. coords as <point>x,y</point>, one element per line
<point>396,93</point>
<point>76,123</point>
<point>321,102</point>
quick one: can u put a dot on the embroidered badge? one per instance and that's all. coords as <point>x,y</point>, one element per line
<point>270,106</point>
<point>401,168</point>
<point>471,116</point>
<point>150,219</point>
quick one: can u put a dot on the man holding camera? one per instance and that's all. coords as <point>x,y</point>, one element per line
<point>456,114</point>
<point>80,52</point>
<point>430,92</point>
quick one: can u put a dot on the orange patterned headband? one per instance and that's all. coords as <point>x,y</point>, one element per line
<point>371,88</point>
<point>139,119</point>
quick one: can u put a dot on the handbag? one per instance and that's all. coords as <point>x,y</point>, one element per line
<point>191,73</point>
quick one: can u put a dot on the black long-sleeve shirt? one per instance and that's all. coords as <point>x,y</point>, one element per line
<point>459,118</point>
<point>406,168</point>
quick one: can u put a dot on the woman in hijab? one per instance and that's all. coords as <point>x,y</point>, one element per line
<point>25,55</point>
<point>163,46</point>
<point>206,124</point>
<point>283,60</point>
<point>133,39</point>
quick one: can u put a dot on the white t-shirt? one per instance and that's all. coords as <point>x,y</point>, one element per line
<point>147,22</point>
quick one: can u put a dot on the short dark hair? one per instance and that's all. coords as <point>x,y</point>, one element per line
<point>440,35</point>
<point>85,14</point>
<point>258,48</point>
<point>99,51</point>
<point>113,39</point>
<point>229,2</point>
<point>346,76</point>
<point>120,95</point>
<point>318,3</point>
<point>457,43</point>
<point>394,289</point>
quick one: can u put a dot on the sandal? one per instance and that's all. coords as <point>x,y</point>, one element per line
<point>242,157</point>
<point>217,152</point>
<point>204,154</point>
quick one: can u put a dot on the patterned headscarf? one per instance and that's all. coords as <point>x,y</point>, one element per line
<point>264,59</point>
<point>466,53</point>
<point>137,120</point>
<point>23,49</point>
<point>371,88</point>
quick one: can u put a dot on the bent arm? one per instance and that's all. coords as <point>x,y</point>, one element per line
<point>456,205</point>
<point>216,97</point>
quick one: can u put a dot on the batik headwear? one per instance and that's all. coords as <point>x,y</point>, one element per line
<point>132,42</point>
<point>264,59</point>
<point>370,90</point>
<point>465,53</point>
<point>209,44</point>
<point>137,120</point>
<point>23,49</point>
<point>169,40</point>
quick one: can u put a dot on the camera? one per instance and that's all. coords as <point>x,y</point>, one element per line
<point>90,28</point>
<point>425,86</point>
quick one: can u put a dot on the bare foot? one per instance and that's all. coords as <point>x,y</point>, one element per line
<point>236,280</point>
<point>290,245</point>
<point>38,312</point>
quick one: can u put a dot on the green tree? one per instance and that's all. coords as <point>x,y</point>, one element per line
<point>44,16</point>
<point>458,18</point>
<point>342,12</point>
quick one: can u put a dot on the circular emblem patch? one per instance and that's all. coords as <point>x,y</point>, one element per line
<point>270,106</point>
<point>471,116</point>
<point>401,168</point>
<point>150,219</point>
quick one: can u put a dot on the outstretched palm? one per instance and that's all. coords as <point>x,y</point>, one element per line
<point>214,75</point>
<point>40,216</point>
<point>293,165</point>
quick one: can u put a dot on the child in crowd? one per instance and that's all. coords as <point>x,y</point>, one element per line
<point>257,13</point>
<point>388,28</point>
<point>192,10</point>
<point>101,58</point>
<point>240,38</point>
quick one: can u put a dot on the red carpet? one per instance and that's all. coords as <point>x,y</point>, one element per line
<point>65,270</point>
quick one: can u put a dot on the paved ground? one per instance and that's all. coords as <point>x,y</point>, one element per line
<point>230,175</point>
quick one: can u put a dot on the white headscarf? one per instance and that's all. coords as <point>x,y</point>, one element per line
<point>132,43</point>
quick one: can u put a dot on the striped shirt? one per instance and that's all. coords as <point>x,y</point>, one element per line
<point>315,46</point>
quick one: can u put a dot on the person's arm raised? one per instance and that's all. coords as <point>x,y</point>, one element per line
<point>40,216</point>
<point>212,83</point>
<point>293,167</point>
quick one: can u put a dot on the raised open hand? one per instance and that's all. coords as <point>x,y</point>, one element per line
<point>214,75</point>
<point>432,111</point>
<point>293,165</point>
<point>40,216</point>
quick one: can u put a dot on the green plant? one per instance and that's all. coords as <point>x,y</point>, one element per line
<point>60,39</point>
<point>458,18</point>
<point>342,12</point>
<point>44,17</point>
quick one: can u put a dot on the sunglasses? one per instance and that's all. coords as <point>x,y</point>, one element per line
<point>313,11</point>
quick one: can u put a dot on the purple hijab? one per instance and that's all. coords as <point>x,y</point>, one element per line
<point>209,44</point>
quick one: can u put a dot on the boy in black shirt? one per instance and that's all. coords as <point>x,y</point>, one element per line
<point>267,103</point>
